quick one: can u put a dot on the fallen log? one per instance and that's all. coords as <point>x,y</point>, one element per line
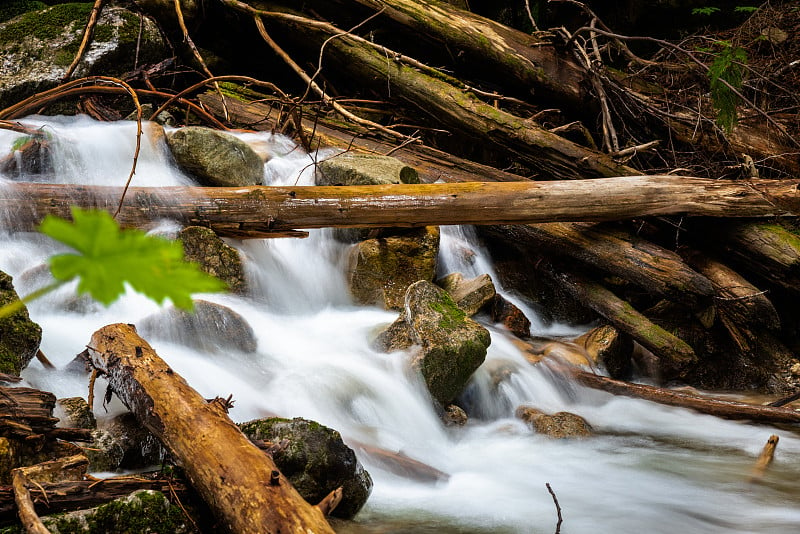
<point>264,209</point>
<point>655,269</point>
<point>716,407</point>
<point>675,356</point>
<point>240,483</point>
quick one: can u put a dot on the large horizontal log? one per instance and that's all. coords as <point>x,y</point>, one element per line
<point>241,484</point>
<point>234,211</point>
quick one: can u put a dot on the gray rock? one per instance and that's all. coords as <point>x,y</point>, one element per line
<point>559,425</point>
<point>215,158</point>
<point>364,169</point>
<point>381,269</point>
<point>123,443</point>
<point>215,257</point>
<point>210,328</point>
<point>452,346</point>
<point>470,295</point>
<point>315,460</point>
<point>74,412</point>
<point>37,47</point>
<point>19,336</point>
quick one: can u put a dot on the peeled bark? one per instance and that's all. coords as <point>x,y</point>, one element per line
<point>237,211</point>
<point>241,484</point>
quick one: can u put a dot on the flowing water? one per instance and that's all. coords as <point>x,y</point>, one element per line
<point>649,468</point>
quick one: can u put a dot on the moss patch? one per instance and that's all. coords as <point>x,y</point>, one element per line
<point>13,8</point>
<point>46,24</point>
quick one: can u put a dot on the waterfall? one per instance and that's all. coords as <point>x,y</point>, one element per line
<point>648,468</point>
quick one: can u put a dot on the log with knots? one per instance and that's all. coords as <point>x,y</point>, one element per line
<point>264,211</point>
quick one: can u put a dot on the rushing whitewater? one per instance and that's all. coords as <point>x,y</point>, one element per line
<point>648,469</point>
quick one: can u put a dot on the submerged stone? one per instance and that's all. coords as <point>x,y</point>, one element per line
<point>559,425</point>
<point>315,460</point>
<point>210,327</point>
<point>19,336</point>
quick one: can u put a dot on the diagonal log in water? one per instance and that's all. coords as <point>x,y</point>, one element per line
<point>260,210</point>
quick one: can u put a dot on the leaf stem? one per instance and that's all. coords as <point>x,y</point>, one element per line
<point>16,305</point>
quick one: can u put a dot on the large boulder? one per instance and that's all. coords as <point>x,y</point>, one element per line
<point>381,269</point>
<point>215,158</point>
<point>350,168</point>
<point>210,328</point>
<point>452,346</point>
<point>19,336</point>
<point>215,256</point>
<point>37,47</point>
<point>315,460</point>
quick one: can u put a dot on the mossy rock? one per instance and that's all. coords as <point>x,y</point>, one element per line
<point>452,346</point>
<point>142,512</point>
<point>315,460</point>
<point>215,158</point>
<point>381,269</point>
<point>38,47</point>
<point>19,336</point>
<point>215,257</point>
<point>364,169</point>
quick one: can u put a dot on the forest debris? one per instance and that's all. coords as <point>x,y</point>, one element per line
<point>202,439</point>
<point>764,459</point>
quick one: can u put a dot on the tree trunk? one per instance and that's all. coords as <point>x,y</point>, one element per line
<point>235,211</point>
<point>718,408</point>
<point>240,483</point>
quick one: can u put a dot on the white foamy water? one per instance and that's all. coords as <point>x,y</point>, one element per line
<point>649,469</point>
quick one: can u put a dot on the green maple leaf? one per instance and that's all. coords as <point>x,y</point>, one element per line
<point>108,256</point>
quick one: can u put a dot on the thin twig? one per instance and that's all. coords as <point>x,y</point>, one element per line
<point>87,37</point>
<point>558,507</point>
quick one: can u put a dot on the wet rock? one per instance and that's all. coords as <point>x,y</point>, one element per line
<point>123,443</point>
<point>215,158</point>
<point>315,460</point>
<point>454,416</point>
<point>210,328</point>
<point>607,345</point>
<point>215,257</point>
<point>141,511</point>
<point>510,316</point>
<point>381,269</point>
<point>470,295</point>
<point>364,169</point>
<point>19,336</point>
<point>29,158</point>
<point>74,412</point>
<point>559,425</point>
<point>452,346</point>
<point>37,47</point>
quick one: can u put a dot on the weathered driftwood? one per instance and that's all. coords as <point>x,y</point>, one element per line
<point>26,413</point>
<point>716,407</point>
<point>653,268</point>
<point>764,459</point>
<point>675,355</point>
<point>240,483</point>
<point>66,496</point>
<point>263,209</point>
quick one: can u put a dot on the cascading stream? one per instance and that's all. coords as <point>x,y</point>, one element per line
<point>649,468</point>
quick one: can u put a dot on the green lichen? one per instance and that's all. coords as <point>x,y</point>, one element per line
<point>451,316</point>
<point>47,24</point>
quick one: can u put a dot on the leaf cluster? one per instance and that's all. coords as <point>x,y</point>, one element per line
<point>107,257</point>
<point>726,72</point>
